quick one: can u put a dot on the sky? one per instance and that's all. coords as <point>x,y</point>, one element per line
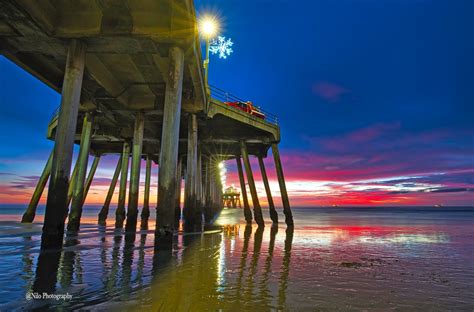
<point>374,101</point>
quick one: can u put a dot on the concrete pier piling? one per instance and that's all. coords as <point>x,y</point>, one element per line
<point>190,197</point>
<point>177,208</point>
<point>247,212</point>
<point>167,182</point>
<point>71,187</point>
<point>82,160</point>
<point>271,205</point>
<point>281,182</point>
<point>56,204</point>
<point>90,177</point>
<point>120,211</point>
<point>105,208</point>
<point>208,215</point>
<point>210,189</point>
<point>217,191</point>
<point>146,196</point>
<point>30,212</point>
<point>199,201</point>
<point>257,210</point>
<point>132,211</point>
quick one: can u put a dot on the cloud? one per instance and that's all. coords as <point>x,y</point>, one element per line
<point>329,91</point>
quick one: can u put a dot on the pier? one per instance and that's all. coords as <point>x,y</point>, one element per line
<point>132,83</point>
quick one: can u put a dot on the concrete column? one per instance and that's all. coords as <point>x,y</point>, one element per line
<point>177,207</point>
<point>243,190</point>
<point>219,200</point>
<point>146,197</point>
<point>82,160</point>
<point>120,212</point>
<point>257,210</point>
<point>199,200</point>
<point>271,205</point>
<point>205,190</point>
<point>30,212</point>
<point>281,182</point>
<point>211,190</point>
<point>71,186</point>
<point>132,211</point>
<point>205,179</point>
<point>56,205</point>
<point>190,209</point>
<point>90,177</point>
<point>169,143</point>
<point>105,208</point>
<point>217,190</point>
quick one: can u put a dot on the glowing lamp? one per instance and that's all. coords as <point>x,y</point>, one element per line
<point>209,26</point>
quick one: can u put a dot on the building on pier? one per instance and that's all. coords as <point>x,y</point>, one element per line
<point>231,197</point>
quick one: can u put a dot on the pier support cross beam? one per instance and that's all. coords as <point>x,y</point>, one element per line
<point>30,212</point>
<point>120,211</point>
<point>56,204</point>
<point>132,211</point>
<point>105,208</point>
<point>271,204</point>
<point>167,183</point>
<point>257,210</point>
<point>243,189</point>
<point>281,182</point>
<point>82,160</point>
<point>146,196</point>
<point>190,210</point>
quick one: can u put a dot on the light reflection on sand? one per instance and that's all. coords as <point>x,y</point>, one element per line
<point>328,262</point>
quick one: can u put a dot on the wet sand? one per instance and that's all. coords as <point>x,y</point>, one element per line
<point>334,259</point>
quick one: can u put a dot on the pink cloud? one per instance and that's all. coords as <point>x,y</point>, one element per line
<point>329,91</point>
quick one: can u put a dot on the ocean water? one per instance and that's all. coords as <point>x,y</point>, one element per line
<point>373,259</point>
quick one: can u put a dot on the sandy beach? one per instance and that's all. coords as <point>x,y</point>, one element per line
<point>334,259</point>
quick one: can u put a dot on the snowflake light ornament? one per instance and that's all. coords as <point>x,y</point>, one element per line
<point>221,46</point>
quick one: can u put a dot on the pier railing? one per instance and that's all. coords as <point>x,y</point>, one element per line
<point>217,93</point>
<point>225,96</point>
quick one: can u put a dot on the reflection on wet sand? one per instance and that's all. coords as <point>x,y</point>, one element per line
<point>239,266</point>
<point>209,278</point>
<point>46,272</point>
<point>27,261</point>
<point>285,269</point>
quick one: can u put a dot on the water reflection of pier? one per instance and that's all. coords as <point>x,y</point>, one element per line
<point>215,269</point>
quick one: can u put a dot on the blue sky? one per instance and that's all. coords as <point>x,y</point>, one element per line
<point>374,98</point>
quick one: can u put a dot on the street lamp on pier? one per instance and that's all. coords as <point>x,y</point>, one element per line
<point>209,27</point>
